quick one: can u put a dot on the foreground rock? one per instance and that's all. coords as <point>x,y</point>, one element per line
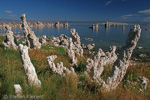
<point>31,40</point>
<point>77,43</point>
<point>62,41</point>
<point>43,39</point>
<point>18,90</point>
<point>28,67</point>
<point>144,81</point>
<point>121,65</point>
<point>90,46</point>
<point>74,49</point>
<point>70,52</point>
<point>10,41</point>
<point>95,67</point>
<point>59,68</point>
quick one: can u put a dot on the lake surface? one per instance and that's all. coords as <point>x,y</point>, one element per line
<point>102,38</point>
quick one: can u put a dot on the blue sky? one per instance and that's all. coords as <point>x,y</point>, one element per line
<point>77,10</point>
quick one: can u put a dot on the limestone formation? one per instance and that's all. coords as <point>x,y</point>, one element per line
<point>95,67</point>
<point>18,89</point>
<point>28,67</point>
<point>55,41</point>
<point>74,47</point>
<point>72,44</point>
<point>10,41</point>
<point>31,40</point>
<point>66,24</point>
<point>144,81</point>
<point>59,68</point>
<point>84,46</point>
<point>77,43</point>
<point>123,28</point>
<point>62,41</point>
<point>90,46</point>
<point>58,24</point>
<point>43,39</point>
<point>97,26</point>
<point>70,52</point>
<point>107,25</point>
<point>120,65</point>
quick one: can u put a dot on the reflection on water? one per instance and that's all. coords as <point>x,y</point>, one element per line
<point>103,37</point>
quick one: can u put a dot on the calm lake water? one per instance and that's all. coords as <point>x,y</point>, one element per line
<point>102,38</point>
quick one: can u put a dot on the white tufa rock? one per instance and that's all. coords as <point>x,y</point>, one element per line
<point>59,68</point>
<point>71,53</point>
<point>10,41</point>
<point>31,40</point>
<point>72,44</point>
<point>76,41</point>
<point>121,65</point>
<point>28,67</point>
<point>144,81</point>
<point>62,41</point>
<point>90,46</point>
<point>43,39</point>
<point>95,67</point>
<point>18,89</point>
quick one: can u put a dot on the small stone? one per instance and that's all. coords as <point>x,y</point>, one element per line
<point>144,81</point>
<point>139,47</point>
<point>142,55</point>
<point>18,89</point>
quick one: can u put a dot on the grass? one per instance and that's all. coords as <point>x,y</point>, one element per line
<point>55,87</point>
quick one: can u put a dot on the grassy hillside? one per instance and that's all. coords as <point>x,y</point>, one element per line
<point>55,87</point>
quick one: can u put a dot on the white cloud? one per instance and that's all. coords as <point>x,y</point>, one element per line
<point>146,19</point>
<point>108,2</point>
<point>147,11</point>
<point>128,16</point>
<point>7,11</point>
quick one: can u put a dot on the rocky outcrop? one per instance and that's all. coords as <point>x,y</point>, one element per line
<point>95,66</point>
<point>31,40</point>
<point>121,65</point>
<point>144,81</point>
<point>62,41</point>
<point>59,68</point>
<point>66,24</point>
<point>18,90</point>
<point>43,39</point>
<point>58,24</point>
<point>28,67</point>
<point>77,43</point>
<point>70,52</point>
<point>72,44</point>
<point>90,46</point>
<point>74,49</point>
<point>10,41</point>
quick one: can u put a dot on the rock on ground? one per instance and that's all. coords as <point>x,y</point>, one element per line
<point>28,67</point>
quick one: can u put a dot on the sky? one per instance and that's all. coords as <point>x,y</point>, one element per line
<point>76,10</point>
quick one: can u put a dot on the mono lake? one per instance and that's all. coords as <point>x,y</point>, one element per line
<point>102,38</point>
